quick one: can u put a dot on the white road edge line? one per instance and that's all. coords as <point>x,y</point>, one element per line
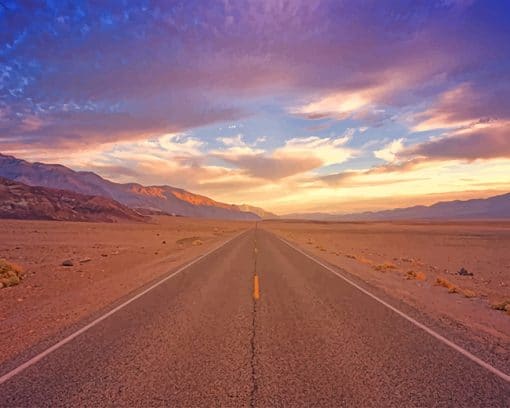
<point>449,343</point>
<point>72,336</point>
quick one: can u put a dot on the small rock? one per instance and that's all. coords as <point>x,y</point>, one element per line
<point>164,242</point>
<point>82,261</point>
<point>67,262</point>
<point>464,272</point>
<point>105,255</point>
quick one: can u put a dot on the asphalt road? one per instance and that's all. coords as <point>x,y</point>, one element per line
<point>255,323</point>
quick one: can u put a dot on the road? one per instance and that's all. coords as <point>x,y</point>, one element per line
<point>255,323</point>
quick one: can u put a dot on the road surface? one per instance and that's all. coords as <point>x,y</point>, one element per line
<point>255,323</point>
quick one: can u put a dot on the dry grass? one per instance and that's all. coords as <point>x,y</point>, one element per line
<point>189,241</point>
<point>467,293</point>
<point>412,275</point>
<point>10,273</point>
<point>445,283</point>
<point>503,306</point>
<point>384,267</point>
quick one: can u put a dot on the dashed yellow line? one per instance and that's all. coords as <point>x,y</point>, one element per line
<point>256,287</point>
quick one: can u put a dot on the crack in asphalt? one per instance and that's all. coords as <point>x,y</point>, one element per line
<point>254,385</point>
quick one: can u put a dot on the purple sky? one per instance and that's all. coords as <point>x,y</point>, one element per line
<point>294,106</point>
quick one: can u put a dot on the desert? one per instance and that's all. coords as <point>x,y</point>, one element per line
<point>106,261</point>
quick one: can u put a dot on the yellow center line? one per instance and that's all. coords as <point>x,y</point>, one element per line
<point>256,288</point>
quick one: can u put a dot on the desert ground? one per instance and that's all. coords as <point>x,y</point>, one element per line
<point>108,261</point>
<point>457,272</point>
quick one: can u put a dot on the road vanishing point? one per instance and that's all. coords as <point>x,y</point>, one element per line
<point>253,323</point>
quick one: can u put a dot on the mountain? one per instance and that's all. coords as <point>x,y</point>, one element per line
<point>496,207</point>
<point>20,201</point>
<point>257,210</point>
<point>166,199</point>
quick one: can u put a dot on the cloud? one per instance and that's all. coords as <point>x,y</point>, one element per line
<point>296,156</point>
<point>465,105</point>
<point>338,105</point>
<point>232,140</point>
<point>273,168</point>
<point>170,68</point>
<point>390,151</point>
<point>329,150</point>
<point>479,142</point>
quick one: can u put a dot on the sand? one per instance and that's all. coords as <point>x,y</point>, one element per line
<point>406,260</point>
<point>109,261</point>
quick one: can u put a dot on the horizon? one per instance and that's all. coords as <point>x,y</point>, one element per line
<point>291,107</point>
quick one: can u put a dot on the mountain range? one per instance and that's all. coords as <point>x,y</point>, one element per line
<point>20,201</point>
<point>497,207</point>
<point>165,199</point>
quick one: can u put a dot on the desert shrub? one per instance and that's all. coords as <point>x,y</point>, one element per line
<point>468,293</point>
<point>10,273</point>
<point>503,305</point>
<point>385,267</point>
<point>445,283</point>
<point>412,275</point>
<point>188,240</point>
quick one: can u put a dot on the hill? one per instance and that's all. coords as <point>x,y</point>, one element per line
<point>20,201</point>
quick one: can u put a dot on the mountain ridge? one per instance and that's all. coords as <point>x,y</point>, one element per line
<point>164,198</point>
<point>494,207</point>
<point>21,201</point>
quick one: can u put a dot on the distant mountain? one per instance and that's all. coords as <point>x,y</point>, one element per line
<point>496,207</point>
<point>257,210</point>
<point>166,199</point>
<point>20,201</point>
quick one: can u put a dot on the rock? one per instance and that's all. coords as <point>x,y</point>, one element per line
<point>82,261</point>
<point>67,262</point>
<point>164,242</point>
<point>464,272</point>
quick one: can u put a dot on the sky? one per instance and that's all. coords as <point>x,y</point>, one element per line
<point>293,106</point>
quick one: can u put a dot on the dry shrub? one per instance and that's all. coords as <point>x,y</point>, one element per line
<point>187,241</point>
<point>445,283</point>
<point>503,305</point>
<point>10,273</point>
<point>385,267</point>
<point>412,275</point>
<point>468,293</point>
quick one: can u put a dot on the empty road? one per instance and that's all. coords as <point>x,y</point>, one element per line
<point>254,324</point>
